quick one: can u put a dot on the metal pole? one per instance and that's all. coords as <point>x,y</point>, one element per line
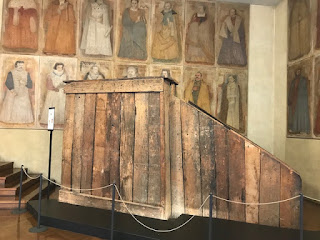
<point>39,228</point>
<point>49,167</point>
<point>113,205</point>
<point>301,216</point>
<point>19,210</point>
<point>210,216</point>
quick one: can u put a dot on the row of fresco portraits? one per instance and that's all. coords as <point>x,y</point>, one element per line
<point>140,30</point>
<point>32,84</point>
<point>200,44</point>
<point>303,111</point>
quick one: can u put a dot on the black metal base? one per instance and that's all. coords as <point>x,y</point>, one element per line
<point>97,222</point>
<point>19,211</point>
<point>38,229</point>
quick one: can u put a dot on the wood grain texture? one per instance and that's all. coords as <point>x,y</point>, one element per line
<point>88,141</point>
<point>237,181</point>
<point>191,159</point>
<point>68,141</point>
<point>177,188</point>
<point>141,149</point>
<point>252,168</point>
<point>112,156</point>
<point>208,166</point>
<point>127,145</point>
<point>154,181</point>
<point>121,86</point>
<point>222,169</point>
<point>98,173</point>
<point>269,190</point>
<point>290,187</point>
<point>78,141</point>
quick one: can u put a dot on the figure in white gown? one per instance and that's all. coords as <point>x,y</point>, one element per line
<point>96,30</point>
<point>55,94</point>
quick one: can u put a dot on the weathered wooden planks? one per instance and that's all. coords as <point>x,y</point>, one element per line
<point>127,144</point>
<point>290,187</point>
<point>177,187</point>
<point>78,141</point>
<point>68,141</point>
<point>88,141</point>
<point>112,153</point>
<point>154,181</point>
<point>207,154</point>
<point>98,173</point>
<point>140,177</point>
<point>269,190</point>
<point>252,172</point>
<point>191,159</point>
<point>237,181</point>
<point>222,169</point>
<point>121,86</point>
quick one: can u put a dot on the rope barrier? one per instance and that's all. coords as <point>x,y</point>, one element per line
<point>156,230</point>
<point>259,204</point>
<point>64,187</point>
<point>312,199</point>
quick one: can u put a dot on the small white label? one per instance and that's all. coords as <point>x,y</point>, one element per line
<point>51,118</point>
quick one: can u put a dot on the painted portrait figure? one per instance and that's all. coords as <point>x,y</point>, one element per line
<point>21,25</point>
<point>60,28</point>
<point>165,46</point>
<point>132,72</point>
<point>197,92</point>
<point>298,104</point>
<point>96,30</point>
<point>16,107</point>
<point>231,107</point>
<point>233,48</point>
<point>94,74</point>
<point>55,95</point>
<point>134,33</point>
<point>299,30</point>
<point>200,37</point>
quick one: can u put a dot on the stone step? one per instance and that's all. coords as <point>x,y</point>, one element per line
<point>11,179</point>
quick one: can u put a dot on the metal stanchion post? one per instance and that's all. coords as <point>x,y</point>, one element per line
<point>49,167</point>
<point>19,210</point>
<point>39,228</point>
<point>112,213</point>
<point>301,216</point>
<point>210,216</point>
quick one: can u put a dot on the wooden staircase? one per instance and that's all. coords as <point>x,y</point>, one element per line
<point>10,187</point>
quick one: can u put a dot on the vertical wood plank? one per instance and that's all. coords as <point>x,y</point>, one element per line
<point>127,145</point>
<point>141,149</point>
<point>88,142</point>
<point>162,148</point>
<point>208,168</point>
<point>166,164</point>
<point>252,161</point>
<point>290,187</point>
<point>177,190</point>
<point>113,141</point>
<point>191,159</point>
<point>78,141</point>
<point>222,169</point>
<point>237,179</point>
<point>269,190</point>
<point>68,141</point>
<point>98,174</point>
<point>154,182</point>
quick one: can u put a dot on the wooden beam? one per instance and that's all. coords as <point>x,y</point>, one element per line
<point>121,86</point>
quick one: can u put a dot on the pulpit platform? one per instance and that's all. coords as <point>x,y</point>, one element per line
<point>166,156</point>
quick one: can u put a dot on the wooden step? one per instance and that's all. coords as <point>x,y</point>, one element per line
<point>12,193</point>
<point>11,179</point>
<point>34,194</point>
<point>5,168</point>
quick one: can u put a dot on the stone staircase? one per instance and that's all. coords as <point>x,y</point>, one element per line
<point>10,187</point>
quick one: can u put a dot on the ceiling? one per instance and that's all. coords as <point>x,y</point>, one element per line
<point>256,2</point>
